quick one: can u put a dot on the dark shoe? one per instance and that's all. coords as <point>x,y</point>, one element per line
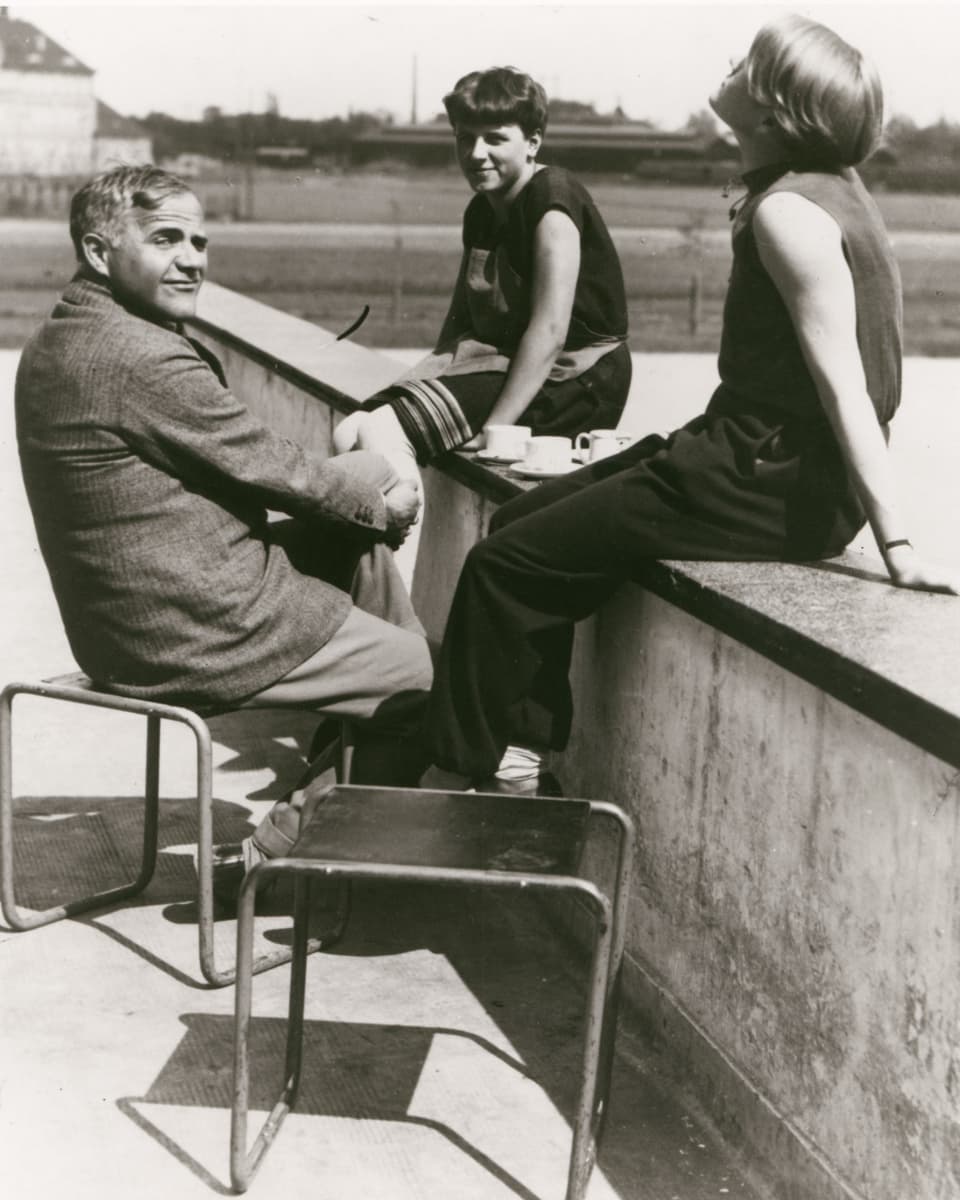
<point>324,737</point>
<point>231,862</point>
<point>544,784</point>
<point>229,868</point>
<point>275,897</point>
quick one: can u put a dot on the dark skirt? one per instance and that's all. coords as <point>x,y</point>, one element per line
<point>438,415</point>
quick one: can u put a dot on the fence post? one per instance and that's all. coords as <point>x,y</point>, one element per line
<point>694,249</point>
<point>696,295</point>
<point>396,300</point>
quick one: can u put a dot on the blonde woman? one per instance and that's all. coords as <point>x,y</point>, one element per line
<point>789,458</point>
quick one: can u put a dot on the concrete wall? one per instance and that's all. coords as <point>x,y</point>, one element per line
<point>795,923</point>
<point>796,896</point>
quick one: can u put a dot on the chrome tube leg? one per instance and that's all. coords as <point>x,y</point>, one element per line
<point>240,1168</point>
<point>6,809</point>
<point>345,757</point>
<point>621,897</point>
<point>151,801</point>
<point>584,1151</point>
<point>243,1165</point>
<point>205,925</point>
<point>298,984</point>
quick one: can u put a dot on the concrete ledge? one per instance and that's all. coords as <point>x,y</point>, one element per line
<point>841,626</point>
<point>785,736</point>
<point>877,648</point>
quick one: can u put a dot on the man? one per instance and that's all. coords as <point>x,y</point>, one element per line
<point>150,485</point>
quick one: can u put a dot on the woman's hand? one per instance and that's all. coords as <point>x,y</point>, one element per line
<point>909,570</point>
<point>402,501</point>
<point>477,442</point>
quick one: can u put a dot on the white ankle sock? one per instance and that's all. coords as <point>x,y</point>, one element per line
<point>519,763</point>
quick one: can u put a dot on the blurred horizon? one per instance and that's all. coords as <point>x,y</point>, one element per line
<point>656,62</point>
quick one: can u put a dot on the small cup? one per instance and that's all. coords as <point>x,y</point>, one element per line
<point>548,453</point>
<point>600,443</point>
<point>506,441</point>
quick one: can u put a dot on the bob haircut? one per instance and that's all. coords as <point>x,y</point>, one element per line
<point>101,205</point>
<point>498,96</point>
<point>826,97</point>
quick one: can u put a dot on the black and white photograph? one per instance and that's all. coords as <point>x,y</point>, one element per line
<point>479,714</point>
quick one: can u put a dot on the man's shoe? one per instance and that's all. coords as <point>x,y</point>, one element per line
<point>231,862</point>
<point>544,784</point>
<point>229,869</point>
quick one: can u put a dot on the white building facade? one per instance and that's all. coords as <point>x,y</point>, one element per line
<point>50,118</point>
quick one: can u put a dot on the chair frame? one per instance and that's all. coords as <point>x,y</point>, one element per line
<point>77,688</point>
<point>599,1023</point>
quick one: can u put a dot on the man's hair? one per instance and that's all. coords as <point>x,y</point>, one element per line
<point>101,205</point>
<point>826,97</point>
<point>498,96</point>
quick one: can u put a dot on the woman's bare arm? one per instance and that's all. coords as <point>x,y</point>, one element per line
<point>556,265</point>
<point>800,246</point>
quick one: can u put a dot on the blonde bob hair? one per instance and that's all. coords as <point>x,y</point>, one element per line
<point>826,97</point>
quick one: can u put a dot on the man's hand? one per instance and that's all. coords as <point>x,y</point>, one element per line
<point>403,510</point>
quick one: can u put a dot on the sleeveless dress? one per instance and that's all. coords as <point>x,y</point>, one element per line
<point>446,398</point>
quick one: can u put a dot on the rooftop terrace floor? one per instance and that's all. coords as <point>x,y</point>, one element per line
<point>115,1063</point>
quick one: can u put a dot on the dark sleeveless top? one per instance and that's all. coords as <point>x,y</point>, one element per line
<point>599,304</point>
<point>760,357</point>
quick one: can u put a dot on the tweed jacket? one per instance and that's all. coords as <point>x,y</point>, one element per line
<point>150,486</point>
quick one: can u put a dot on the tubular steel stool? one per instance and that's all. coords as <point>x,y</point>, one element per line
<point>77,688</point>
<point>475,839</point>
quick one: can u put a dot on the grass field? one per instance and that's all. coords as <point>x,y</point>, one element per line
<point>437,198</point>
<point>400,250</point>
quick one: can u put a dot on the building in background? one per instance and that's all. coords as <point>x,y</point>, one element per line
<point>118,140</point>
<point>51,123</point>
<point>628,147</point>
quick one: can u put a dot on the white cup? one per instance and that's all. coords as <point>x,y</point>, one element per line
<point>548,453</point>
<point>601,443</point>
<point>506,441</point>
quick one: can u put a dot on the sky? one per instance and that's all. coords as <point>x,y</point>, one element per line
<point>657,61</point>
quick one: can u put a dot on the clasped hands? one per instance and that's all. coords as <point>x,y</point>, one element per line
<point>403,501</point>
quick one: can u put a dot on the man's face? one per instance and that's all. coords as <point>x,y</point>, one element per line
<point>158,259</point>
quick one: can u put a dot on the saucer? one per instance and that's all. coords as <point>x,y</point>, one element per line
<point>525,472</point>
<point>489,457</point>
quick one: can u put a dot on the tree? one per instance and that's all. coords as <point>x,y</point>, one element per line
<point>703,123</point>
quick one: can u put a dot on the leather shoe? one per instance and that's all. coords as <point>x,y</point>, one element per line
<point>544,784</point>
<point>229,868</point>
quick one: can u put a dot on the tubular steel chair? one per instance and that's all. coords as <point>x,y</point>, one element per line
<point>77,688</point>
<point>475,839</point>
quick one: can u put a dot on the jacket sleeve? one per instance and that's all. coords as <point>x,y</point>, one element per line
<point>175,413</point>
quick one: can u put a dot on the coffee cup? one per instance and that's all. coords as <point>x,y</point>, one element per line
<point>600,443</point>
<point>508,442</point>
<point>548,453</point>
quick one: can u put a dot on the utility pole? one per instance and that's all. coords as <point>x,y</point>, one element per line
<point>413,94</point>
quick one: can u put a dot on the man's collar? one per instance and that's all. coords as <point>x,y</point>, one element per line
<point>86,287</point>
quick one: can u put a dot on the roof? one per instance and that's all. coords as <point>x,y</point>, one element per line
<point>627,135</point>
<point>110,124</point>
<point>24,48</point>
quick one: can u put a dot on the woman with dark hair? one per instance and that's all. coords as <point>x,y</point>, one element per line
<point>536,329</point>
<point>786,463</point>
